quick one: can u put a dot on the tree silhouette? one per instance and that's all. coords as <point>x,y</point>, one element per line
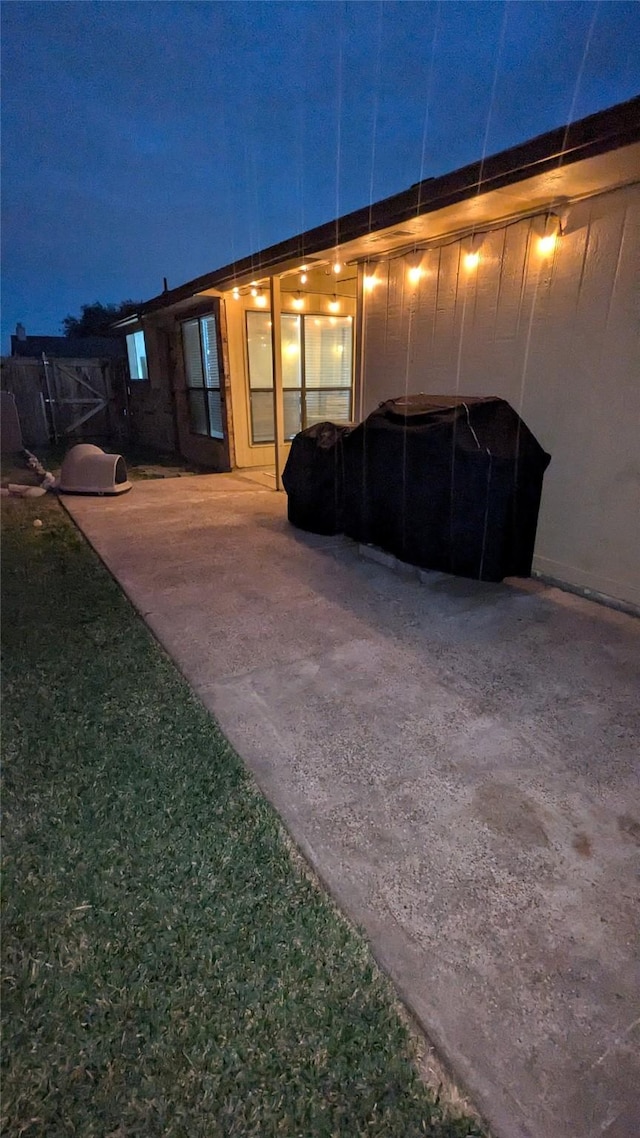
<point>97,319</point>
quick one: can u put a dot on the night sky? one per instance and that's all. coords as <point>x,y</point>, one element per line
<point>143,140</point>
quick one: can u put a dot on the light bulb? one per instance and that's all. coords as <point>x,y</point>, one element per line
<point>337,268</point>
<point>471,260</point>
<point>369,283</point>
<point>254,291</point>
<point>334,305</point>
<point>303,278</point>
<point>236,294</point>
<point>298,301</point>
<point>547,243</point>
<point>414,274</point>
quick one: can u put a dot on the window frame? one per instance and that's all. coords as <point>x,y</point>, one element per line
<point>132,336</point>
<point>301,317</point>
<point>204,388</point>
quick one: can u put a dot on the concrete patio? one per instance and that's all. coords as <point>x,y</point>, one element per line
<point>458,761</point>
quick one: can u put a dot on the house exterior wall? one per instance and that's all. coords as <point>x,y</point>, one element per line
<point>558,337</point>
<point>151,409</point>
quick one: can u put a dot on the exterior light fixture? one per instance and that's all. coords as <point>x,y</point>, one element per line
<point>549,234</point>
<point>334,305</point>
<point>472,256</point>
<point>547,243</point>
<point>413,261</point>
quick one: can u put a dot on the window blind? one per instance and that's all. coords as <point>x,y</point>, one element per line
<point>327,351</point>
<point>209,335</point>
<point>202,374</point>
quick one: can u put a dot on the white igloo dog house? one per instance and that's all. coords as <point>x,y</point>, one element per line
<point>86,469</point>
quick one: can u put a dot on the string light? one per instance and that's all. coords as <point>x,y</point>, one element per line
<point>551,231</point>
<point>236,294</point>
<point>547,243</point>
<point>298,301</point>
<point>337,267</point>
<point>261,299</point>
<point>334,305</point>
<point>254,290</point>
<point>303,276</point>
<point>414,274</point>
<point>370,282</point>
<point>471,261</point>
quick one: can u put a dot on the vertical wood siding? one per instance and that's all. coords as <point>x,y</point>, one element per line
<point>559,338</point>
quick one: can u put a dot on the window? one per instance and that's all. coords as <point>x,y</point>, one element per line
<point>202,373</point>
<point>316,372</point>
<point>137,354</point>
<point>327,365</point>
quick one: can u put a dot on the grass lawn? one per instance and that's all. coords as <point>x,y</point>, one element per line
<point>168,969</point>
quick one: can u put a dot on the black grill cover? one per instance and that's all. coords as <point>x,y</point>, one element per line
<point>447,484</point>
<point>314,478</point>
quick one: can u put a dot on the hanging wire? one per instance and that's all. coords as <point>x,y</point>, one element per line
<point>339,122</point>
<point>494,84</point>
<point>425,128</point>
<point>413,302</point>
<point>576,86</point>
<point>487,498</point>
<point>467,285</point>
<point>534,300</point>
<point>231,211</point>
<point>376,103</point>
<point>403,512</point>
<point>300,140</point>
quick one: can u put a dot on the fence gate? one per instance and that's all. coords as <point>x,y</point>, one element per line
<point>60,399</point>
<point>83,397</point>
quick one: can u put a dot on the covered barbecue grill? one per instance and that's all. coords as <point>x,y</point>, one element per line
<point>446,482</point>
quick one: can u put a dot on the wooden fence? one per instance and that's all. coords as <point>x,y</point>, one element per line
<point>70,399</point>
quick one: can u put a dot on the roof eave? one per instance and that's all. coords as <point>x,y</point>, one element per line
<point>597,134</point>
